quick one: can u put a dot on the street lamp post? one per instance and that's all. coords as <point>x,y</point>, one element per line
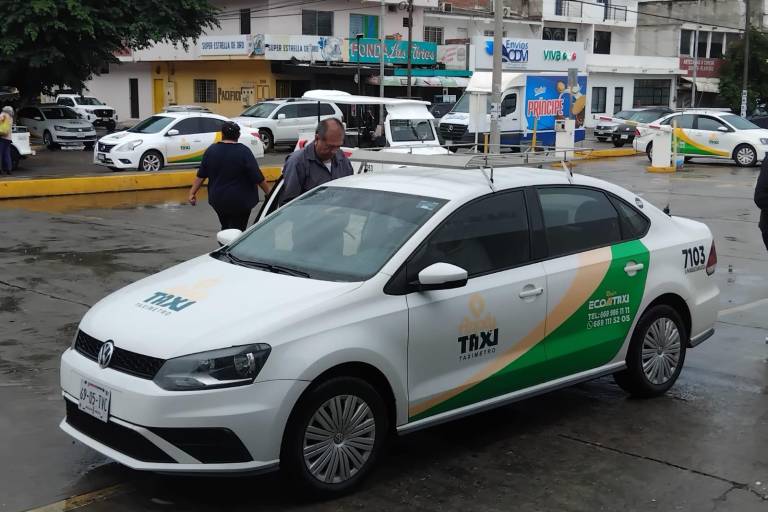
<point>358,37</point>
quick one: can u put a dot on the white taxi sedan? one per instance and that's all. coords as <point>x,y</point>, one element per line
<point>386,302</point>
<point>711,134</point>
<point>169,139</point>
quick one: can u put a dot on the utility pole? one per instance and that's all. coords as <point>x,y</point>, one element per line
<point>745,76</point>
<point>498,13</point>
<point>382,51</point>
<point>410,43</point>
<point>695,53</point>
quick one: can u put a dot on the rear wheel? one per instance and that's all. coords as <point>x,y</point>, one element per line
<point>151,161</point>
<point>617,143</point>
<point>267,139</point>
<point>745,155</point>
<point>649,151</point>
<point>656,353</point>
<point>334,436</point>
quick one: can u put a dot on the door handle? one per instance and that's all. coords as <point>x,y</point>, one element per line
<point>633,268</point>
<point>531,292</point>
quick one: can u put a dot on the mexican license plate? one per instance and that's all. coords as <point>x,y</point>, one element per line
<point>94,400</point>
<point>624,137</point>
<point>101,157</point>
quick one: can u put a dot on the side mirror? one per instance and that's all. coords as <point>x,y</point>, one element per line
<point>442,276</point>
<point>228,236</point>
<point>280,116</point>
<point>172,133</point>
<point>723,129</point>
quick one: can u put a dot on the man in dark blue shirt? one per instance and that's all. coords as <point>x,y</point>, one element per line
<point>233,179</point>
<point>319,162</point>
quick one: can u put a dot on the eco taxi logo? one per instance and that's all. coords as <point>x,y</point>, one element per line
<point>479,334</point>
<point>612,310</point>
<point>178,298</point>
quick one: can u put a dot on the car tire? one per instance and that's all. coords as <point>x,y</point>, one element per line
<point>267,139</point>
<point>656,353</point>
<point>15,158</point>
<point>649,151</point>
<point>48,141</point>
<point>114,169</point>
<point>687,159</point>
<point>111,126</point>
<point>151,161</point>
<point>602,139</point>
<point>618,143</point>
<point>355,455</point>
<point>88,146</point>
<point>745,155</point>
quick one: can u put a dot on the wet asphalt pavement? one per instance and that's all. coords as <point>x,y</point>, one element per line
<point>703,446</point>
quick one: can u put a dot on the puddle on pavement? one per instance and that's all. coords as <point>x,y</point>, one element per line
<point>108,200</point>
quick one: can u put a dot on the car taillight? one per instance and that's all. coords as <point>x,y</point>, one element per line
<point>637,133</point>
<point>256,134</point>
<point>712,260</point>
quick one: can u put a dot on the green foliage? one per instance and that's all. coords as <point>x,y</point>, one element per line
<point>731,72</point>
<point>46,44</point>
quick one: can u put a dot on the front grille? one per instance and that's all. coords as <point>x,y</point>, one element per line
<point>103,112</point>
<point>208,445</point>
<point>72,137</point>
<point>117,437</point>
<point>452,131</point>
<point>138,365</point>
<point>105,148</point>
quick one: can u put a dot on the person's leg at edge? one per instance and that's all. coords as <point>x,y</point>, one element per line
<point>5,156</point>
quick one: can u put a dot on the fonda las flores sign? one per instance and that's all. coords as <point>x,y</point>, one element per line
<point>396,52</point>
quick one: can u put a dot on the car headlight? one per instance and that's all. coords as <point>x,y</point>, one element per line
<point>60,128</point>
<point>234,366</point>
<point>764,142</point>
<point>130,146</point>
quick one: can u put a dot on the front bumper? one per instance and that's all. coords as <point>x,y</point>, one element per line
<point>157,430</point>
<point>604,132</point>
<point>118,159</point>
<point>67,139</point>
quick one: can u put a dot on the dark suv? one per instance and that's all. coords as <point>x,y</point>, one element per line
<point>625,133</point>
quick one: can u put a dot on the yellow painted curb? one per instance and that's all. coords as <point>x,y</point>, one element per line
<point>606,153</point>
<point>661,170</point>
<point>43,187</point>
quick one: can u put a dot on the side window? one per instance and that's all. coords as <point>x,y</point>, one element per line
<point>290,111</point>
<point>308,110</point>
<point>577,219</point>
<point>509,105</point>
<point>485,236</point>
<point>709,124</point>
<point>188,126</point>
<point>327,110</point>
<point>633,223</point>
<point>210,125</point>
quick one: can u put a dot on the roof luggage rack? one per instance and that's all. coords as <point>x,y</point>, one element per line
<point>462,160</point>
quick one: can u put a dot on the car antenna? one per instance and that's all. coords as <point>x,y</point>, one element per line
<point>568,170</point>
<point>666,210</point>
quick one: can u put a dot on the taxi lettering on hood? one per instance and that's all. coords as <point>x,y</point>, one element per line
<point>168,301</point>
<point>177,298</point>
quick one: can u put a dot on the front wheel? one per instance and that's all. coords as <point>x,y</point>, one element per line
<point>48,141</point>
<point>745,156</point>
<point>151,161</point>
<point>656,353</point>
<point>266,138</point>
<point>334,436</point>
<point>649,151</point>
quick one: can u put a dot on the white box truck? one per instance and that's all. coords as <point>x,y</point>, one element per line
<point>527,100</point>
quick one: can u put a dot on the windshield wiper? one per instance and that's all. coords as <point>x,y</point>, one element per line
<point>277,269</point>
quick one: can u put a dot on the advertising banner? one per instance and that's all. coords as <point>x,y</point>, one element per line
<point>396,52</point>
<point>530,55</point>
<point>547,98</point>
<point>304,48</point>
<point>453,56</point>
<point>224,45</point>
<point>706,68</point>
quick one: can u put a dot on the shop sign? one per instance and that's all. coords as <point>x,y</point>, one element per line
<point>453,56</point>
<point>396,52</point>
<point>224,45</point>
<point>530,54</point>
<point>304,48</point>
<point>707,68</point>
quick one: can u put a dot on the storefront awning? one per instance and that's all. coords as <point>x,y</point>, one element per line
<point>420,81</point>
<point>704,84</point>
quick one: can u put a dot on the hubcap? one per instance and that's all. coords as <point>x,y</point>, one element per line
<point>151,163</point>
<point>265,138</point>
<point>661,351</point>
<point>339,439</point>
<point>744,156</point>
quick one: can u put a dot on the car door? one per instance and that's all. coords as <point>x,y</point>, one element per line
<point>210,131</point>
<point>714,136</point>
<point>683,124</point>
<point>479,341</point>
<point>286,125</point>
<point>595,279</point>
<point>187,146</point>
<point>34,121</point>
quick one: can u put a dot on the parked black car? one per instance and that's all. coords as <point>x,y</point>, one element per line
<point>759,116</point>
<point>625,133</point>
<point>440,109</point>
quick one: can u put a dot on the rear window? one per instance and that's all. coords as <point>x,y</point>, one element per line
<point>739,122</point>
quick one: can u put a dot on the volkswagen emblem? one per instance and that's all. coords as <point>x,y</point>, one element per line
<point>450,127</point>
<point>105,354</point>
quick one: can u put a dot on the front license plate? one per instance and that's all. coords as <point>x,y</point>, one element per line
<point>80,135</point>
<point>94,400</point>
<point>106,119</point>
<point>101,157</point>
<point>624,137</point>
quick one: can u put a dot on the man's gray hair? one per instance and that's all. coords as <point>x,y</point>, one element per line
<point>8,110</point>
<point>325,124</point>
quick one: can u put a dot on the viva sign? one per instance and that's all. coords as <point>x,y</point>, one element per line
<point>396,52</point>
<point>559,55</point>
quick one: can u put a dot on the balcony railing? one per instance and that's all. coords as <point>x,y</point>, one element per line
<point>568,8</point>
<point>615,13</point>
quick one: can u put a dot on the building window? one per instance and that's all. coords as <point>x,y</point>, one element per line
<point>702,44</point>
<point>602,42</point>
<point>433,34</point>
<point>686,36</point>
<point>490,33</point>
<point>405,22</point>
<point>553,34</point>
<point>598,100</point>
<point>316,23</point>
<point>652,93</point>
<point>245,21</point>
<point>365,24</point>
<point>618,99</point>
<point>205,91</point>
<point>572,34</point>
<point>716,45</point>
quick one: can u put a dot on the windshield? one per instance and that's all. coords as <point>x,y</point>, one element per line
<point>87,100</point>
<point>335,233</point>
<point>646,116</point>
<point>59,113</point>
<point>260,110</point>
<point>624,114</point>
<point>462,106</point>
<point>739,122</point>
<point>410,130</point>
<point>152,124</point>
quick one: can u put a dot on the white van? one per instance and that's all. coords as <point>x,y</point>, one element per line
<point>528,102</point>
